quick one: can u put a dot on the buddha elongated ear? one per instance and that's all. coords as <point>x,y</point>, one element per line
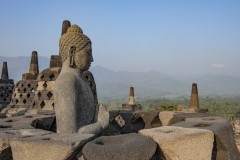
<point>71,55</point>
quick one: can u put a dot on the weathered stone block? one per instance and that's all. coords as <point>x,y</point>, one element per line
<point>122,147</point>
<point>224,144</point>
<point>24,95</point>
<point>24,122</point>
<point>181,143</point>
<point>7,135</point>
<point>16,112</point>
<point>150,118</point>
<point>55,58</point>
<point>29,76</point>
<point>43,95</point>
<point>113,114</point>
<point>45,85</point>
<point>5,99</point>
<point>22,90</point>
<point>31,111</point>
<point>43,104</point>
<point>171,117</point>
<point>55,64</point>
<point>55,61</point>
<point>49,74</point>
<point>54,147</point>
<point>128,116</point>
<point>49,105</point>
<point>24,101</point>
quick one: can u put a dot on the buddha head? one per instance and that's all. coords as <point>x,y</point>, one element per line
<point>76,49</point>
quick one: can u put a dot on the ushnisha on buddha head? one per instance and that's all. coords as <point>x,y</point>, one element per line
<point>76,48</point>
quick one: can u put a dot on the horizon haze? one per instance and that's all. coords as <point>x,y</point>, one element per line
<point>149,84</point>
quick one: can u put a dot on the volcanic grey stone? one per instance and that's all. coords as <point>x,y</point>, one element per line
<point>126,121</point>
<point>3,115</point>
<point>26,122</point>
<point>224,145</point>
<point>171,117</point>
<point>49,74</point>
<point>113,114</point>
<point>71,98</point>
<point>128,115</point>
<point>21,98</point>
<point>113,127</point>
<point>18,127</point>
<point>150,118</point>
<point>122,147</point>
<point>97,127</point>
<point>6,87</point>
<point>6,136</point>
<point>55,61</point>
<point>177,143</point>
<point>49,147</point>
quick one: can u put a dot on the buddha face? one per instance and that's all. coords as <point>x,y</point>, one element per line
<point>84,58</point>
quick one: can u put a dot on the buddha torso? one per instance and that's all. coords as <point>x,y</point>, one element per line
<point>75,102</point>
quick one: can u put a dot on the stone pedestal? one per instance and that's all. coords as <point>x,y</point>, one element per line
<point>194,101</point>
<point>131,102</point>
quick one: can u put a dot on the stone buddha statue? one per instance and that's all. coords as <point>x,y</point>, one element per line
<point>75,108</point>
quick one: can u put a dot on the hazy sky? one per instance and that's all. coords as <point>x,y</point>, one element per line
<point>175,37</point>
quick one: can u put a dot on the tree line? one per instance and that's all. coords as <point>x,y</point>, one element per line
<point>224,106</point>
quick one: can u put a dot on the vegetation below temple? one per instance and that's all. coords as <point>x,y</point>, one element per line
<point>224,106</point>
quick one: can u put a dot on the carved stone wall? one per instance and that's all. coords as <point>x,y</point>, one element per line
<point>43,100</point>
<point>6,87</point>
<point>43,96</point>
<point>22,98</point>
<point>5,94</point>
<point>55,61</point>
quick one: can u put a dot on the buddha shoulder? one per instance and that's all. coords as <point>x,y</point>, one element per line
<point>67,79</point>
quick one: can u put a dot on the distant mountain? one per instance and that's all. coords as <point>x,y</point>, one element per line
<point>155,84</point>
<point>217,84</point>
<point>19,65</point>
<point>152,84</point>
<point>146,84</point>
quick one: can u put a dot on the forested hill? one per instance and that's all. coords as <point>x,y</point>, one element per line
<point>151,84</point>
<point>155,84</point>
